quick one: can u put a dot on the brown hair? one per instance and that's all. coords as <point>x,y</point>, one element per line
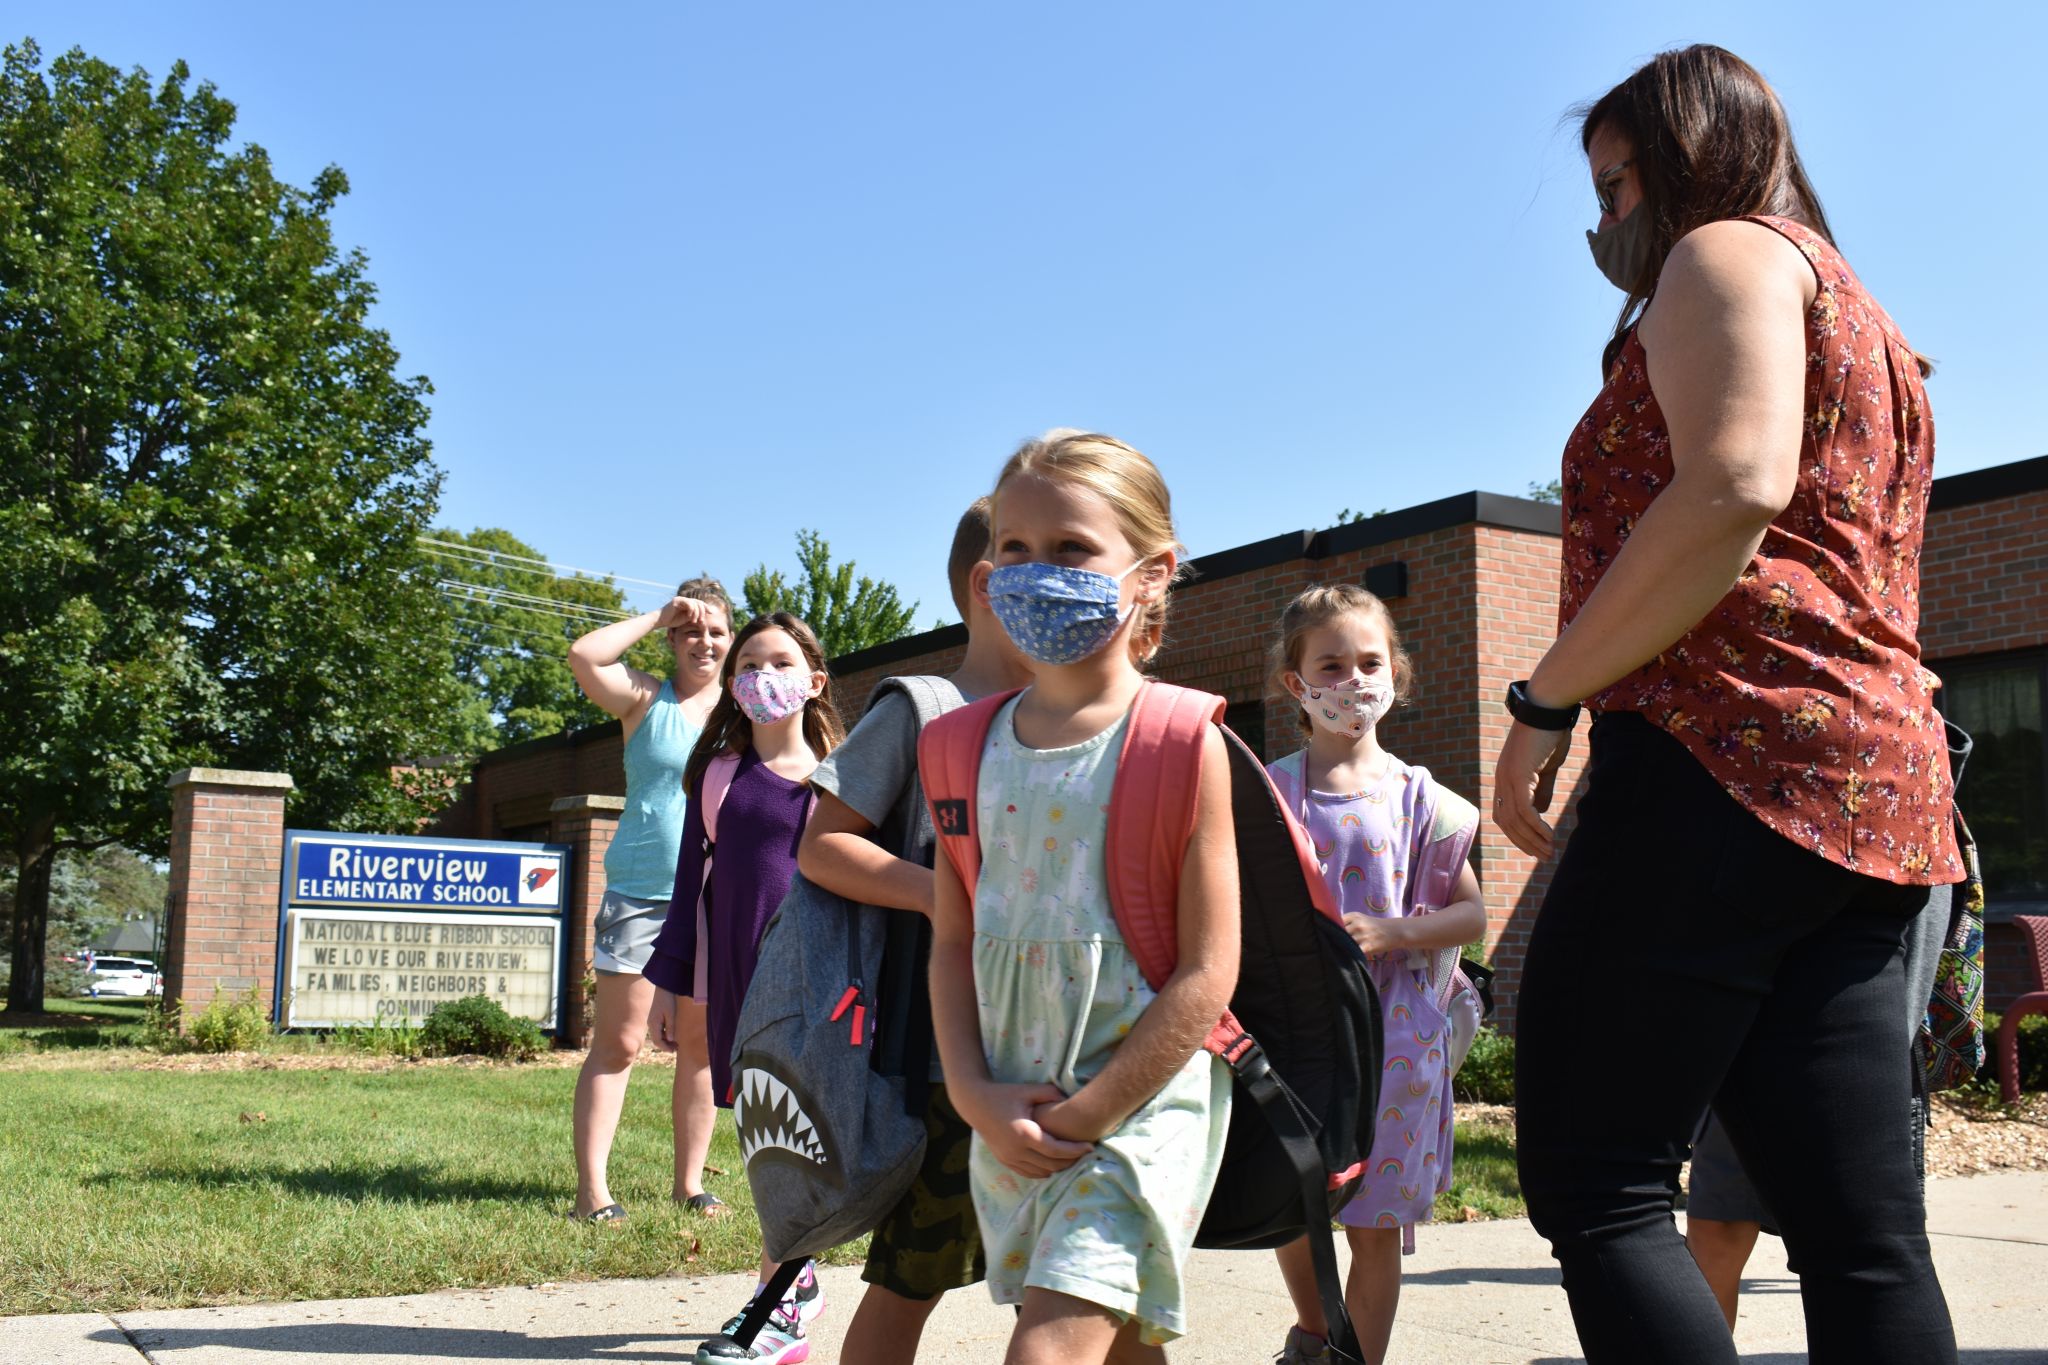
<point>1710,141</point>
<point>1134,489</point>
<point>727,729</point>
<point>970,547</point>
<point>1318,606</point>
<point>708,590</point>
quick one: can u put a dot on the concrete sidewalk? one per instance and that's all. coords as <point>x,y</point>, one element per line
<point>1475,1294</point>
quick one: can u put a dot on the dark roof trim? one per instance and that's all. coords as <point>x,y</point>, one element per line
<point>895,651</point>
<point>1460,509</point>
<point>1488,509</point>
<point>1260,554</point>
<point>1982,485</point>
<point>589,734</point>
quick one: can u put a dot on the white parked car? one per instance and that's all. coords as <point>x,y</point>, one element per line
<point>123,976</point>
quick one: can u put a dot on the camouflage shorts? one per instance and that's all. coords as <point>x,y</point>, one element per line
<point>931,1241</point>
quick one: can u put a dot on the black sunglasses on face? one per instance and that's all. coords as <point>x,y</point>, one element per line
<point>1607,182</point>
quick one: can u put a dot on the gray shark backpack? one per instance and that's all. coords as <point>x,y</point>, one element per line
<point>829,1107</point>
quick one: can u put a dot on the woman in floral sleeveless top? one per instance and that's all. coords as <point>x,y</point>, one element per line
<point>1768,800</point>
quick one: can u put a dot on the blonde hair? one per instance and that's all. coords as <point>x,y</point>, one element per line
<point>1318,606</point>
<point>1131,484</point>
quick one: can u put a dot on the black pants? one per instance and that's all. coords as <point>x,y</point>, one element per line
<point>1686,955</point>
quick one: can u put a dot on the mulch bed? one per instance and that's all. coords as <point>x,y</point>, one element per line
<point>1968,1137</point>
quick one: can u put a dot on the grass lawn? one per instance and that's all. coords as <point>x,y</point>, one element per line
<point>135,1188</point>
<point>74,1024</point>
<point>142,1181</point>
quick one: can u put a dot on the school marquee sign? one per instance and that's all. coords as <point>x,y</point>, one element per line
<point>382,928</point>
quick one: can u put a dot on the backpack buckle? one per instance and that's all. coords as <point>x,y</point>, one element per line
<point>1246,1058</point>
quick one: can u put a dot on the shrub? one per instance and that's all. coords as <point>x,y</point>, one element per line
<point>477,1025</point>
<point>160,1025</point>
<point>65,980</point>
<point>2033,1050</point>
<point>1488,1076</point>
<point>380,1039</point>
<point>236,1023</point>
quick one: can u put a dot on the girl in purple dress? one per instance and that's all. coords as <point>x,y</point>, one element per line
<point>774,720</point>
<point>1394,847</point>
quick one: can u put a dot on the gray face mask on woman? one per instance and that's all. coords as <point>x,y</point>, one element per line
<point>1622,248</point>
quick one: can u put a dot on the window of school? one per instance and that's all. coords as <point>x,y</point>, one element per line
<point>2004,791</point>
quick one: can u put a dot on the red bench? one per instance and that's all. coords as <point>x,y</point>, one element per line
<point>2034,932</point>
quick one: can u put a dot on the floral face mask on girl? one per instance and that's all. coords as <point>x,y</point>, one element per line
<point>1350,709</point>
<point>1054,614</point>
<point>766,696</point>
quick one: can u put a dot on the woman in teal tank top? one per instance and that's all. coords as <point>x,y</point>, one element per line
<point>662,719</point>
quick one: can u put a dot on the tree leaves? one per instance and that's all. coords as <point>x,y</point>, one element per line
<point>212,479</point>
<point>512,618</point>
<point>847,613</point>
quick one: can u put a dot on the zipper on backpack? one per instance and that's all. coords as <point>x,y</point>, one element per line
<point>852,998</point>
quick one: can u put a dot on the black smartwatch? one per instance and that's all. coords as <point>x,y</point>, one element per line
<point>1539,717</point>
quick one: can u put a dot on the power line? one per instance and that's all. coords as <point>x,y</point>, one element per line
<point>530,639</point>
<point>526,601</point>
<point>535,632</point>
<point>468,593</point>
<point>479,551</point>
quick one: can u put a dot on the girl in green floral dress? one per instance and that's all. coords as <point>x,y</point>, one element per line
<point>1099,1120</point>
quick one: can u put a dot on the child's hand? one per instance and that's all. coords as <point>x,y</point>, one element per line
<point>661,1020</point>
<point>1374,937</point>
<point>1005,1116</point>
<point>1064,1118</point>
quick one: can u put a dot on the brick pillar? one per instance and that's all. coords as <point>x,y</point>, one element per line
<point>586,824</point>
<point>227,850</point>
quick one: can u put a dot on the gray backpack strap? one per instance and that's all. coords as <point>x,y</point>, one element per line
<point>929,697</point>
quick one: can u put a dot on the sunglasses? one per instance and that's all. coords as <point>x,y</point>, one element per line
<point>1607,182</point>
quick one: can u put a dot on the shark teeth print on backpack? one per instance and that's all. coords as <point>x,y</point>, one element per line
<point>774,1123</point>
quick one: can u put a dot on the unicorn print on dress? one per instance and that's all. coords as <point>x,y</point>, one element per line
<point>1372,836</point>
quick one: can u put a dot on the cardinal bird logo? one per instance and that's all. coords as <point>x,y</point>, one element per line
<point>538,877</point>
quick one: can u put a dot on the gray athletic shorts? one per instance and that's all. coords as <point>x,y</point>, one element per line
<point>626,928</point>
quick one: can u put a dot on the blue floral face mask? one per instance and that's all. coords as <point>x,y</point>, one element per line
<point>1057,615</point>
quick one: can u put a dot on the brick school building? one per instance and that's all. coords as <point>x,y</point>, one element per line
<point>1472,583</point>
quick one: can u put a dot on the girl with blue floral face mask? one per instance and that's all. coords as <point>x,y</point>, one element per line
<point>1099,1121</point>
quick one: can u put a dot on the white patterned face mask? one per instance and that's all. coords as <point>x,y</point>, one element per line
<point>1350,709</point>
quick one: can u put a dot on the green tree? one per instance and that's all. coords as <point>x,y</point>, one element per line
<point>90,893</point>
<point>1547,492</point>
<point>513,619</point>
<point>211,484</point>
<point>848,613</point>
<point>1347,517</point>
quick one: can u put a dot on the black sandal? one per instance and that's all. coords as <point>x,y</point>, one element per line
<point>705,1202</point>
<point>610,1213</point>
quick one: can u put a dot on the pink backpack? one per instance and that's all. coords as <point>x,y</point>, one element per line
<point>1151,819</point>
<point>1302,1034</point>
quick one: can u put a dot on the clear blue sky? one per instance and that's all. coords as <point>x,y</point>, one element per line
<point>688,277</point>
